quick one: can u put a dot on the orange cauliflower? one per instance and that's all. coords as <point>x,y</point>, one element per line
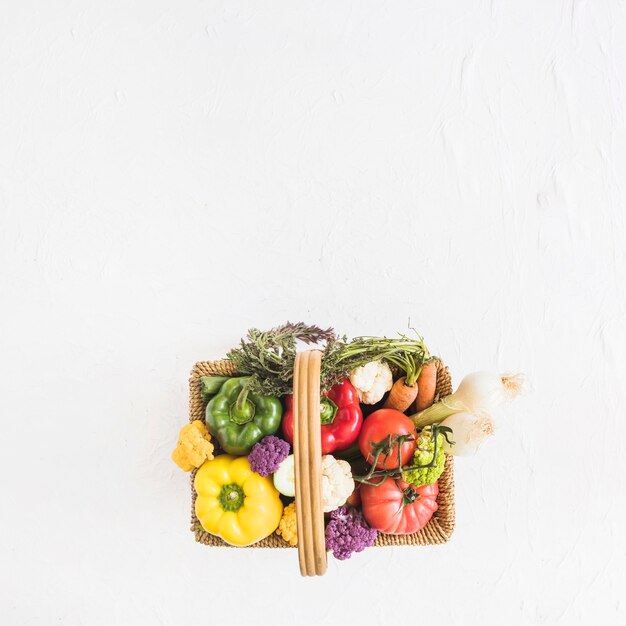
<point>287,526</point>
<point>194,446</point>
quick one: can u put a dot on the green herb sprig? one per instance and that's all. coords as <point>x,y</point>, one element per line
<point>397,351</point>
<point>268,357</point>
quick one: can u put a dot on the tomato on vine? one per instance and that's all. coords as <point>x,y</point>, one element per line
<point>376,436</point>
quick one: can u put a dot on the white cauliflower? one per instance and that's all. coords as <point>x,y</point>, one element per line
<point>372,381</point>
<point>337,482</point>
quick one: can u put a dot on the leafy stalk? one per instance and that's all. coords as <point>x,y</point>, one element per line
<point>435,413</point>
<point>408,355</point>
<point>409,365</point>
<point>268,357</point>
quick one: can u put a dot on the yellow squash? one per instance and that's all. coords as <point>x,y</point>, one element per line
<point>234,502</point>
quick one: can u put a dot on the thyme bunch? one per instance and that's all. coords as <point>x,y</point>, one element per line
<point>268,356</point>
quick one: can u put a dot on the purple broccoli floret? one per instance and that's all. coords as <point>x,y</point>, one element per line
<point>267,455</point>
<point>347,532</point>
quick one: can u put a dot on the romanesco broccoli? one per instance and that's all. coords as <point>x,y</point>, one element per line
<point>423,456</point>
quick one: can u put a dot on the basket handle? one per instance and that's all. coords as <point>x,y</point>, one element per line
<point>307,449</point>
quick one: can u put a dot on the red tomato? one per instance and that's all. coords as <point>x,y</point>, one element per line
<point>396,508</point>
<point>379,425</point>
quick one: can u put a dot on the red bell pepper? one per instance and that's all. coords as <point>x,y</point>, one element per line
<point>340,414</point>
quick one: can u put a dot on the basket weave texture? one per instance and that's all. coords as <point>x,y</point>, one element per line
<point>437,531</point>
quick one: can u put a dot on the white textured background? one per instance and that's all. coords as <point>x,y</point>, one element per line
<point>172,173</point>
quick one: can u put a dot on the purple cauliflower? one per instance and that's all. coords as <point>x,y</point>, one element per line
<point>347,532</point>
<point>267,455</point>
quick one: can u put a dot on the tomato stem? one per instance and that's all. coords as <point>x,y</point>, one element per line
<point>384,446</point>
<point>409,495</point>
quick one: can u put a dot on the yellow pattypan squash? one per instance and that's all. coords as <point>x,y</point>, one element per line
<point>234,502</point>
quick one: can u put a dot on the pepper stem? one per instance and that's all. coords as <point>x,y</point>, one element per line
<point>231,497</point>
<point>242,410</point>
<point>328,410</point>
<point>242,398</point>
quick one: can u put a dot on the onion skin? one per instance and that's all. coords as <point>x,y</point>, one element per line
<point>468,433</point>
<point>485,391</point>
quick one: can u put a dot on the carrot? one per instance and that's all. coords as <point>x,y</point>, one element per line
<point>427,382</point>
<point>401,395</point>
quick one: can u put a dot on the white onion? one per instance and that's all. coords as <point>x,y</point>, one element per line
<point>468,433</point>
<point>485,392</point>
<point>479,393</point>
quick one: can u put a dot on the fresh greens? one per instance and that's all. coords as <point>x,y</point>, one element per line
<point>268,357</point>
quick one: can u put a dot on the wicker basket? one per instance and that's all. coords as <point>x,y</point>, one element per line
<point>307,451</point>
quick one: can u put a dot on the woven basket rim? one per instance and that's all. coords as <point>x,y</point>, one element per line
<point>438,530</point>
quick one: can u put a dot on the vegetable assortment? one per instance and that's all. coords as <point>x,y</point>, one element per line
<point>379,472</point>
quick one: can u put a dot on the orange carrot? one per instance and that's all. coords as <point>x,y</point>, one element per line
<point>427,382</point>
<point>401,395</point>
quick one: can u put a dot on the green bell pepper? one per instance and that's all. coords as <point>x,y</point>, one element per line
<point>239,419</point>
